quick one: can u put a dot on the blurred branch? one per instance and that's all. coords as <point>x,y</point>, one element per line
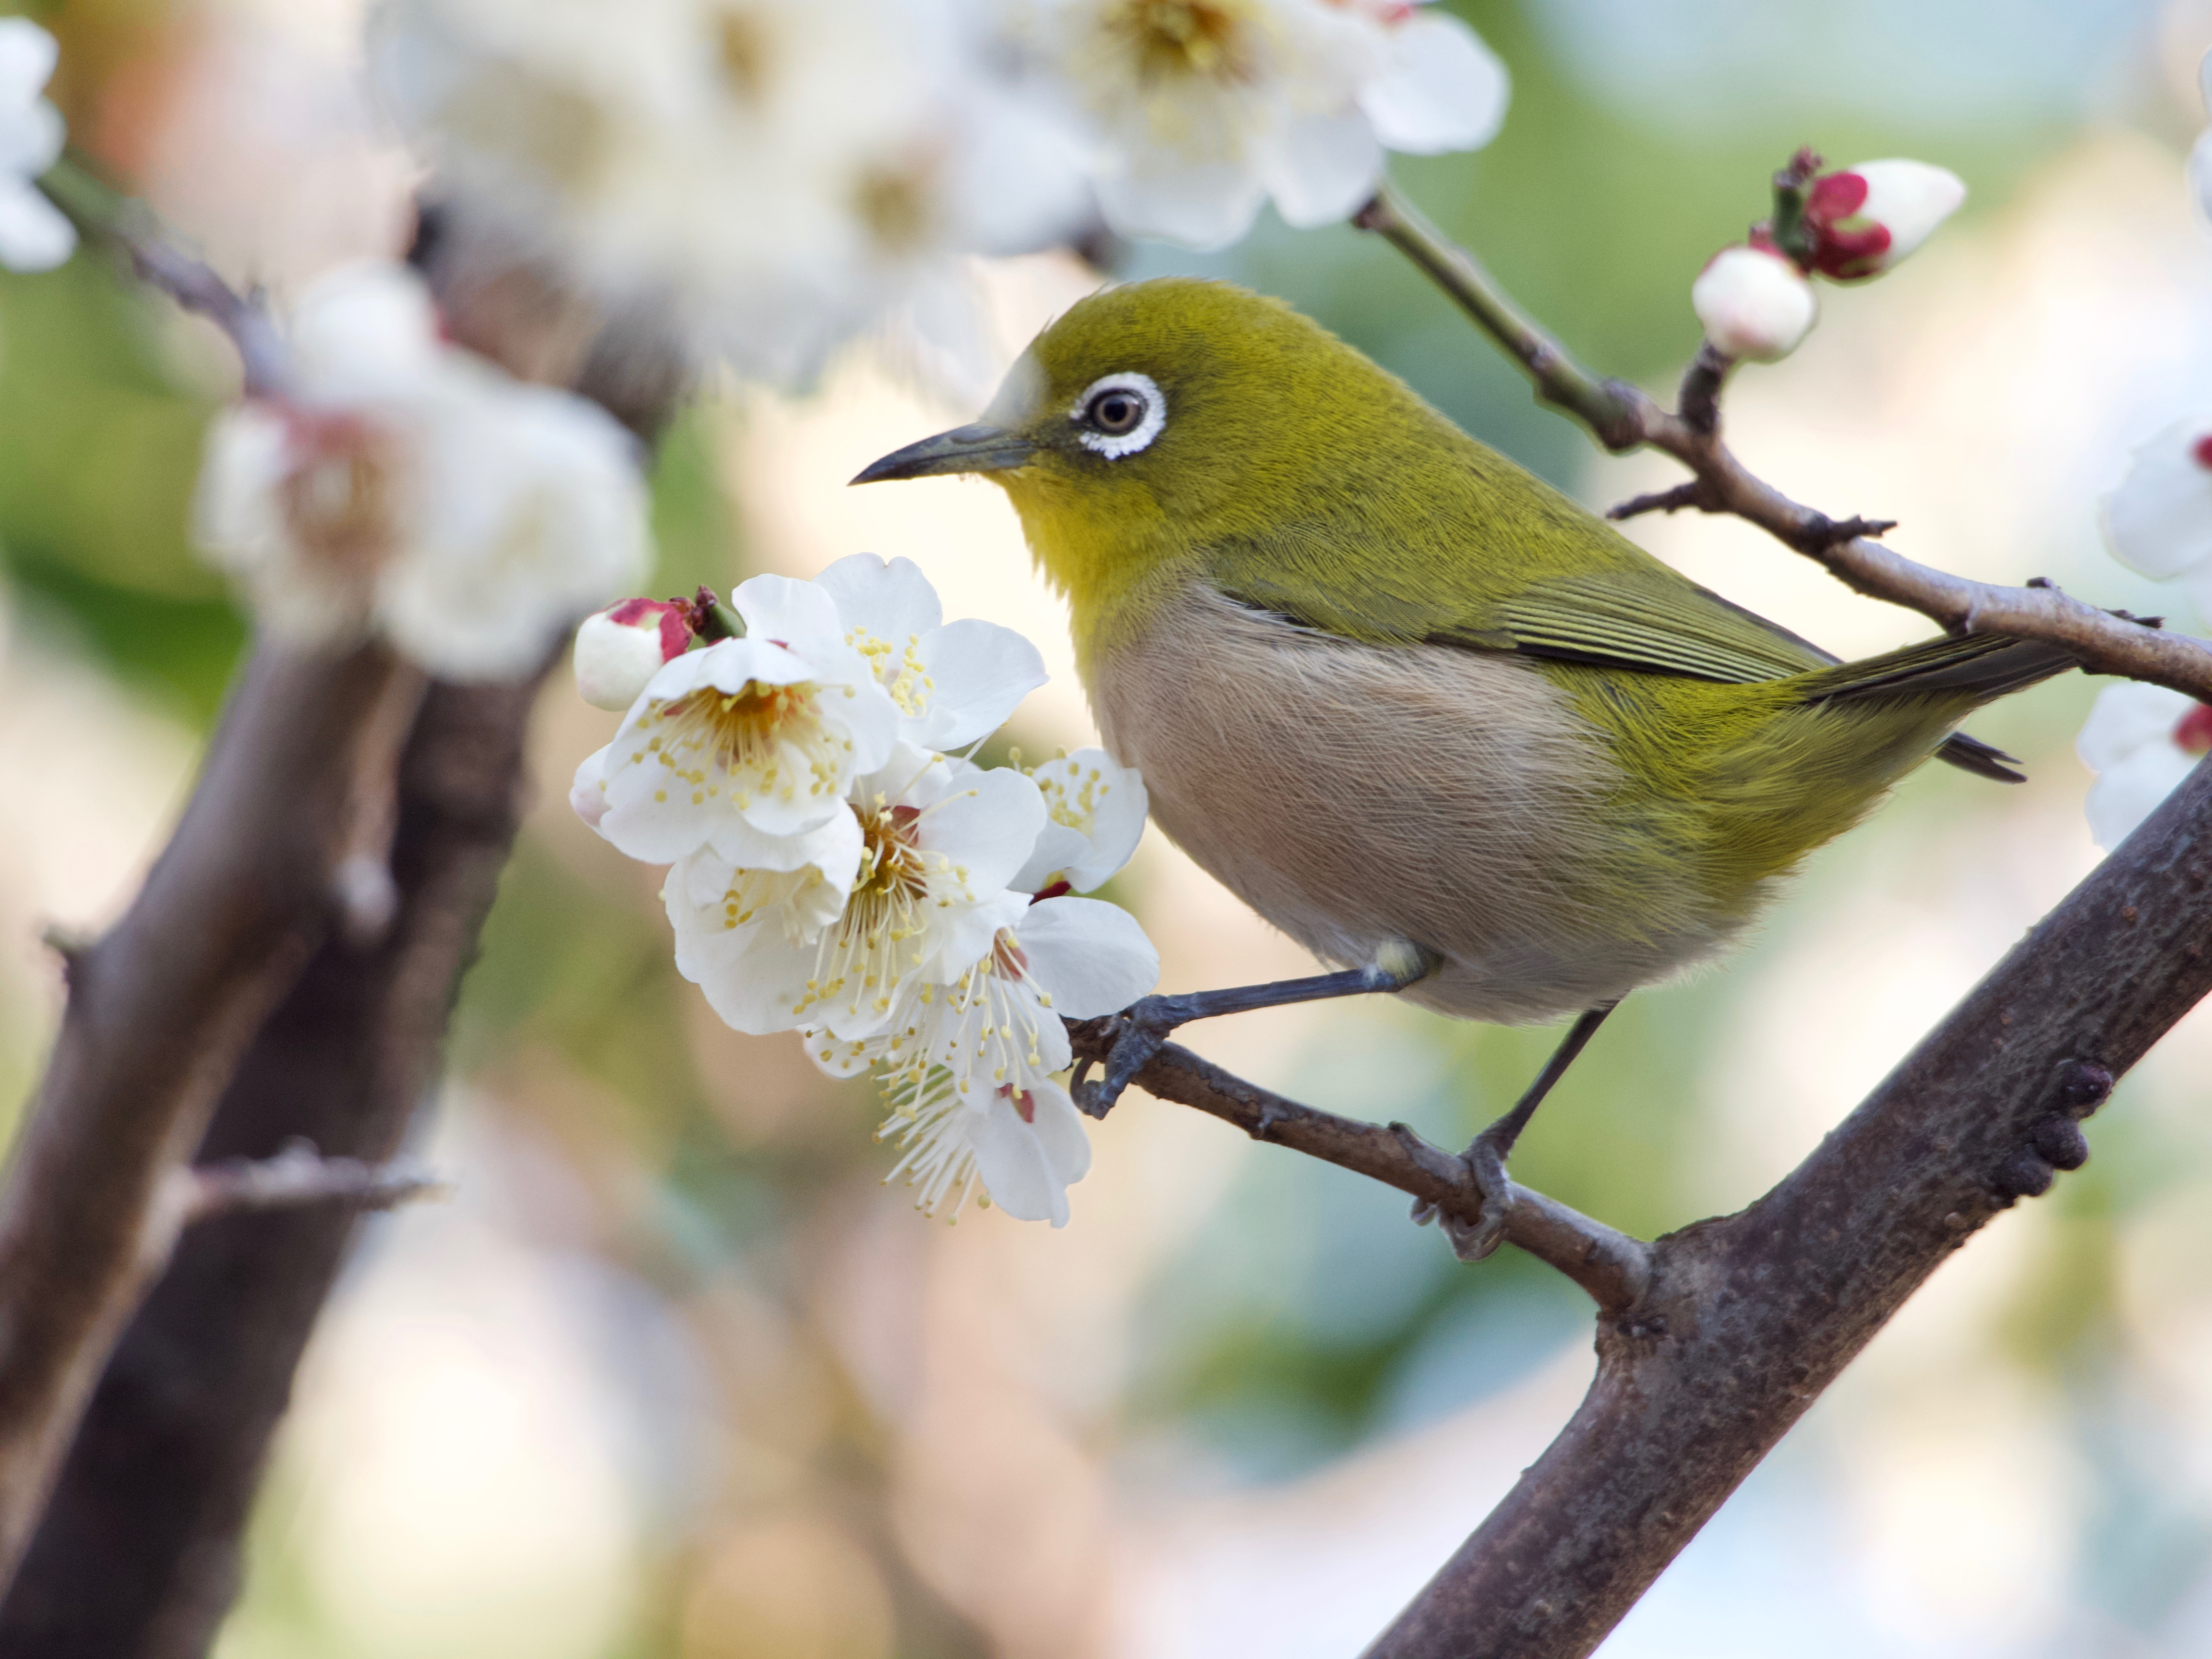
<point>160,1010</point>
<point>1611,1266</point>
<point>139,1554</point>
<point>1622,417</point>
<point>294,1178</point>
<point>1746,1319</point>
<point>106,216</point>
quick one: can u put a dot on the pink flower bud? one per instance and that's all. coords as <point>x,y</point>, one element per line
<point>1753,302</point>
<point>623,646</point>
<point>1863,220</point>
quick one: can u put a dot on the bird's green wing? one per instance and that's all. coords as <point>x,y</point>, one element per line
<point>1648,620</point>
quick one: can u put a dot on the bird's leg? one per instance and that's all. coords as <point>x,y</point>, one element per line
<point>1487,1153</point>
<point>1143,1027</point>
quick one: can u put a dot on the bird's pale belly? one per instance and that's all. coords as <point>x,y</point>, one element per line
<point>1355,795</point>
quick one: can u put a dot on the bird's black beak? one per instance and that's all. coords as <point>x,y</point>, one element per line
<point>979,448</point>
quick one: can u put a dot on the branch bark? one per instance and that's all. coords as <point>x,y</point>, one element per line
<point>1746,1319</point>
<point>138,1556</point>
<point>1609,1265</point>
<point>1622,417</point>
<point>160,1012</point>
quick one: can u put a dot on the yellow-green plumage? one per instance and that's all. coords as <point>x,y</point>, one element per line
<point>1388,686</point>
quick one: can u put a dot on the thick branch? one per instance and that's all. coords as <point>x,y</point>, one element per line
<point>1611,1266</point>
<point>159,1011</point>
<point>1622,418</point>
<point>1746,1319</point>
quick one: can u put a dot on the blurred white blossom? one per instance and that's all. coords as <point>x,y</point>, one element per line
<point>1753,302</point>
<point>2159,521</point>
<point>1096,807</point>
<point>768,176</point>
<point>33,234</point>
<point>954,682</point>
<point>1198,110</point>
<point>405,486</point>
<point>2141,741</point>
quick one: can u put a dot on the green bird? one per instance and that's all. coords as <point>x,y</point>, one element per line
<point>1425,714</point>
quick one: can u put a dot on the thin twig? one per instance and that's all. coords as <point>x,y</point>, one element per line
<point>103,215</point>
<point>296,1177</point>
<point>1622,418</point>
<point>1612,1266</point>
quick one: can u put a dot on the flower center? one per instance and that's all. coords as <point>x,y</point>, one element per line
<point>759,742</point>
<point>894,202</point>
<point>744,54</point>
<point>1205,39</point>
<point>342,500</point>
<point>859,961</point>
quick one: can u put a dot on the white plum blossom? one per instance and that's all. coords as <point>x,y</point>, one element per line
<point>765,176</point>
<point>969,1063</point>
<point>621,648</point>
<point>2141,741</point>
<point>1097,808</point>
<point>1753,302</point>
<point>35,236</point>
<point>403,485</point>
<point>751,739</point>
<point>1862,220</point>
<point>1199,110</point>
<point>2159,521</point>
<point>954,682</point>
<point>938,842</point>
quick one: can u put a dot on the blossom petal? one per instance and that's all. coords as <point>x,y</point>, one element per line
<point>1443,88</point>
<point>1321,167</point>
<point>1205,205</point>
<point>1026,1174</point>
<point>2125,795</point>
<point>893,601</point>
<point>2127,718</point>
<point>791,613</point>
<point>987,823</point>
<point>982,671</point>
<point>588,794</point>
<point>2159,521</point>
<point>1091,957</point>
<point>33,234</point>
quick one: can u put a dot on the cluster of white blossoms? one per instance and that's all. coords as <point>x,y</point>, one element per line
<point>402,486</point>
<point>1756,299</point>
<point>34,234</point>
<point>771,176</point>
<point>837,869</point>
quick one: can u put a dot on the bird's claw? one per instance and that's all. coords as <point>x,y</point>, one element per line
<point>1471,1241</point>
<point>1140,1032</point>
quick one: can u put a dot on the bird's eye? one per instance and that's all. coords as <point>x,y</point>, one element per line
<point>1119,414</point>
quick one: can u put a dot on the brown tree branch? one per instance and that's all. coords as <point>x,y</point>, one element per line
<point>1611,1266</point>
<point>1622,418</point>
<point>1746,1319</point>
<point>139,1554</point>
<point>159,1011</point>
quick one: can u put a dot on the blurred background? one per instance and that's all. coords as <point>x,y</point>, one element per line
<point>673,1375</point>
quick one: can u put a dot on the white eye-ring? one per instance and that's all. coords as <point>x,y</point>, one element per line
<point>1119,414</point>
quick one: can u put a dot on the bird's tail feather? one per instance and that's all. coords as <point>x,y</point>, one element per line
<point>1973,668</point>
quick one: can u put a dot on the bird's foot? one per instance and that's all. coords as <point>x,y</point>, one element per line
<point>1471,1241</point>
<point>1138,1032</point>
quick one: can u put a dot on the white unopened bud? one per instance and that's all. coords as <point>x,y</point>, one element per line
<point>1754,303</point>
<point>1864,219</point>
<point>624,645</point>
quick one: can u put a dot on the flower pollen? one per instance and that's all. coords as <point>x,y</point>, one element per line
<point>1204,40</point>
<point>767,741</point>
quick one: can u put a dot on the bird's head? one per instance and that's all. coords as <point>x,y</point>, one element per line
<point>1155,420</point>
